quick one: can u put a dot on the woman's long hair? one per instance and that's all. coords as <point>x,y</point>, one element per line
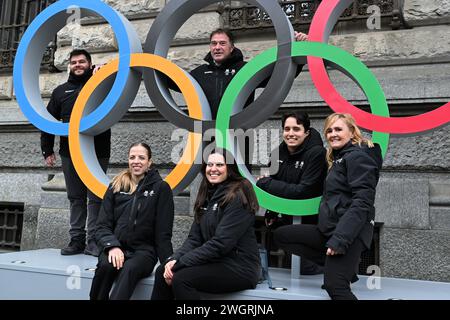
<point>238,186</point>
<point>351,124</point>
<point>123,182</point>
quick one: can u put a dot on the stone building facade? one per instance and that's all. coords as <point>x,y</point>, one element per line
<point>412,63</point>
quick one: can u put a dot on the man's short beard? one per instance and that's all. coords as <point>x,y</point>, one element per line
<point>78,75</point>
<point>81,77</point>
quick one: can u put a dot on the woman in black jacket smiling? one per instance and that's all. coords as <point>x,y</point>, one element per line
<point>221,253</point>
<point>134,227</point>
<point>346,213</point>
<point>302,168</point>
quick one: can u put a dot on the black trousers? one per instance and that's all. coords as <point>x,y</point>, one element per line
<point>307,267</point>
<point>307,241</point>
<point>187,282</point>
<point>137,266</point>
<point>83,203</point>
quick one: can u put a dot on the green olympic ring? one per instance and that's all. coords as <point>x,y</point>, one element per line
<point>352,66</point>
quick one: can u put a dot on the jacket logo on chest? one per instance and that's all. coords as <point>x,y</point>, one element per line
<point>339,160</point>
<point>228,72</point>
<point>214,208</point>
<point>299,164</point>
<point>151,193</point>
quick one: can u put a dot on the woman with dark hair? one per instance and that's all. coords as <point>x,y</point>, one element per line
<point>220,253</point>
<point>301,171</point>
<point>134,227</point>
<point>346,212</point>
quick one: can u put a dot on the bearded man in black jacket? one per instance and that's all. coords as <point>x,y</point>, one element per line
<point>60,106</point>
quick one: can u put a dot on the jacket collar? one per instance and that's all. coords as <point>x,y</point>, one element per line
<point>374,152</point>
<point>349,146</point>
<point>149,179</point>
<point>80,79</point>
<point>217,191</point>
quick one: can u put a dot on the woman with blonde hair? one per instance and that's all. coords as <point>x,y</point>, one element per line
<point>134,227</point>
<point>346,212</point>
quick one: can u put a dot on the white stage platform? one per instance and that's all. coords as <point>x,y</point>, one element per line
<point>46,275</point>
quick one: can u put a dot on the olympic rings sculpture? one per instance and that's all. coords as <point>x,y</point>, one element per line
<point>104,100</point>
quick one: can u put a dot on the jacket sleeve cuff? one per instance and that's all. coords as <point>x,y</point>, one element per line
<point>109,245</point>
<point>177,266</point>
<point>47,153</point>
<point>263,182</point>
<point>167,260</point>
<point>334,244</point>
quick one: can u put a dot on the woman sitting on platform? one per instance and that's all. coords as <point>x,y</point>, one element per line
<point>220,253</point>
<point>134,227</point>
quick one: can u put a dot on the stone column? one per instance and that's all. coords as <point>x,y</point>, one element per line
<point>52,230</point>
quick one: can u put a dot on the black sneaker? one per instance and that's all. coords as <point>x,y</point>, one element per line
<point>74,247</point>
<point>92,249</point>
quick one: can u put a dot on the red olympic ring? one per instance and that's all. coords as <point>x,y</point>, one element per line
<point>399,125</point>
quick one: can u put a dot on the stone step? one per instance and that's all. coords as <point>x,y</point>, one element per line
<point>52,276</point>
<point>52,228</point>
<point>440,218</point>
<point>57,200</point>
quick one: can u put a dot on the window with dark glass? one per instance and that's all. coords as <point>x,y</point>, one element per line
<point>15,16</point>
<point>237,15</point>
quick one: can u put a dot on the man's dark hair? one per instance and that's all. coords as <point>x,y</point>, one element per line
<point>301,117</point>
<point>78,52</point>
<point>224,31</point>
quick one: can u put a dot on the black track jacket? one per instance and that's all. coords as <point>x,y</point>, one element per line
<point>224,235</point>
<point>347,208</point>
<point>301,174</point>
<point>215,79</point>
<point>139,221</point>
<point>60,106</point>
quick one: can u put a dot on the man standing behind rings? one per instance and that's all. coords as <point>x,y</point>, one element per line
<point>60,106</point>
<point>224,60</point>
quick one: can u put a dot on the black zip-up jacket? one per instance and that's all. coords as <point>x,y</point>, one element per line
<point>214,79</point>
<point>347,208</point>
<point>300,174</point>
<point>60,106</point>
<point>225,234</point>
<point>142,220</point>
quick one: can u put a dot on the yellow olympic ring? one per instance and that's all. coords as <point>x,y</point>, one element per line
<point>147,60</point>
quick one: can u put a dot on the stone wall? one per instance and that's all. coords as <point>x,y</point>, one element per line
<point>430,12</point>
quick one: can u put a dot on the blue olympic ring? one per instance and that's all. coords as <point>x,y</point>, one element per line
<point>29,55</point>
